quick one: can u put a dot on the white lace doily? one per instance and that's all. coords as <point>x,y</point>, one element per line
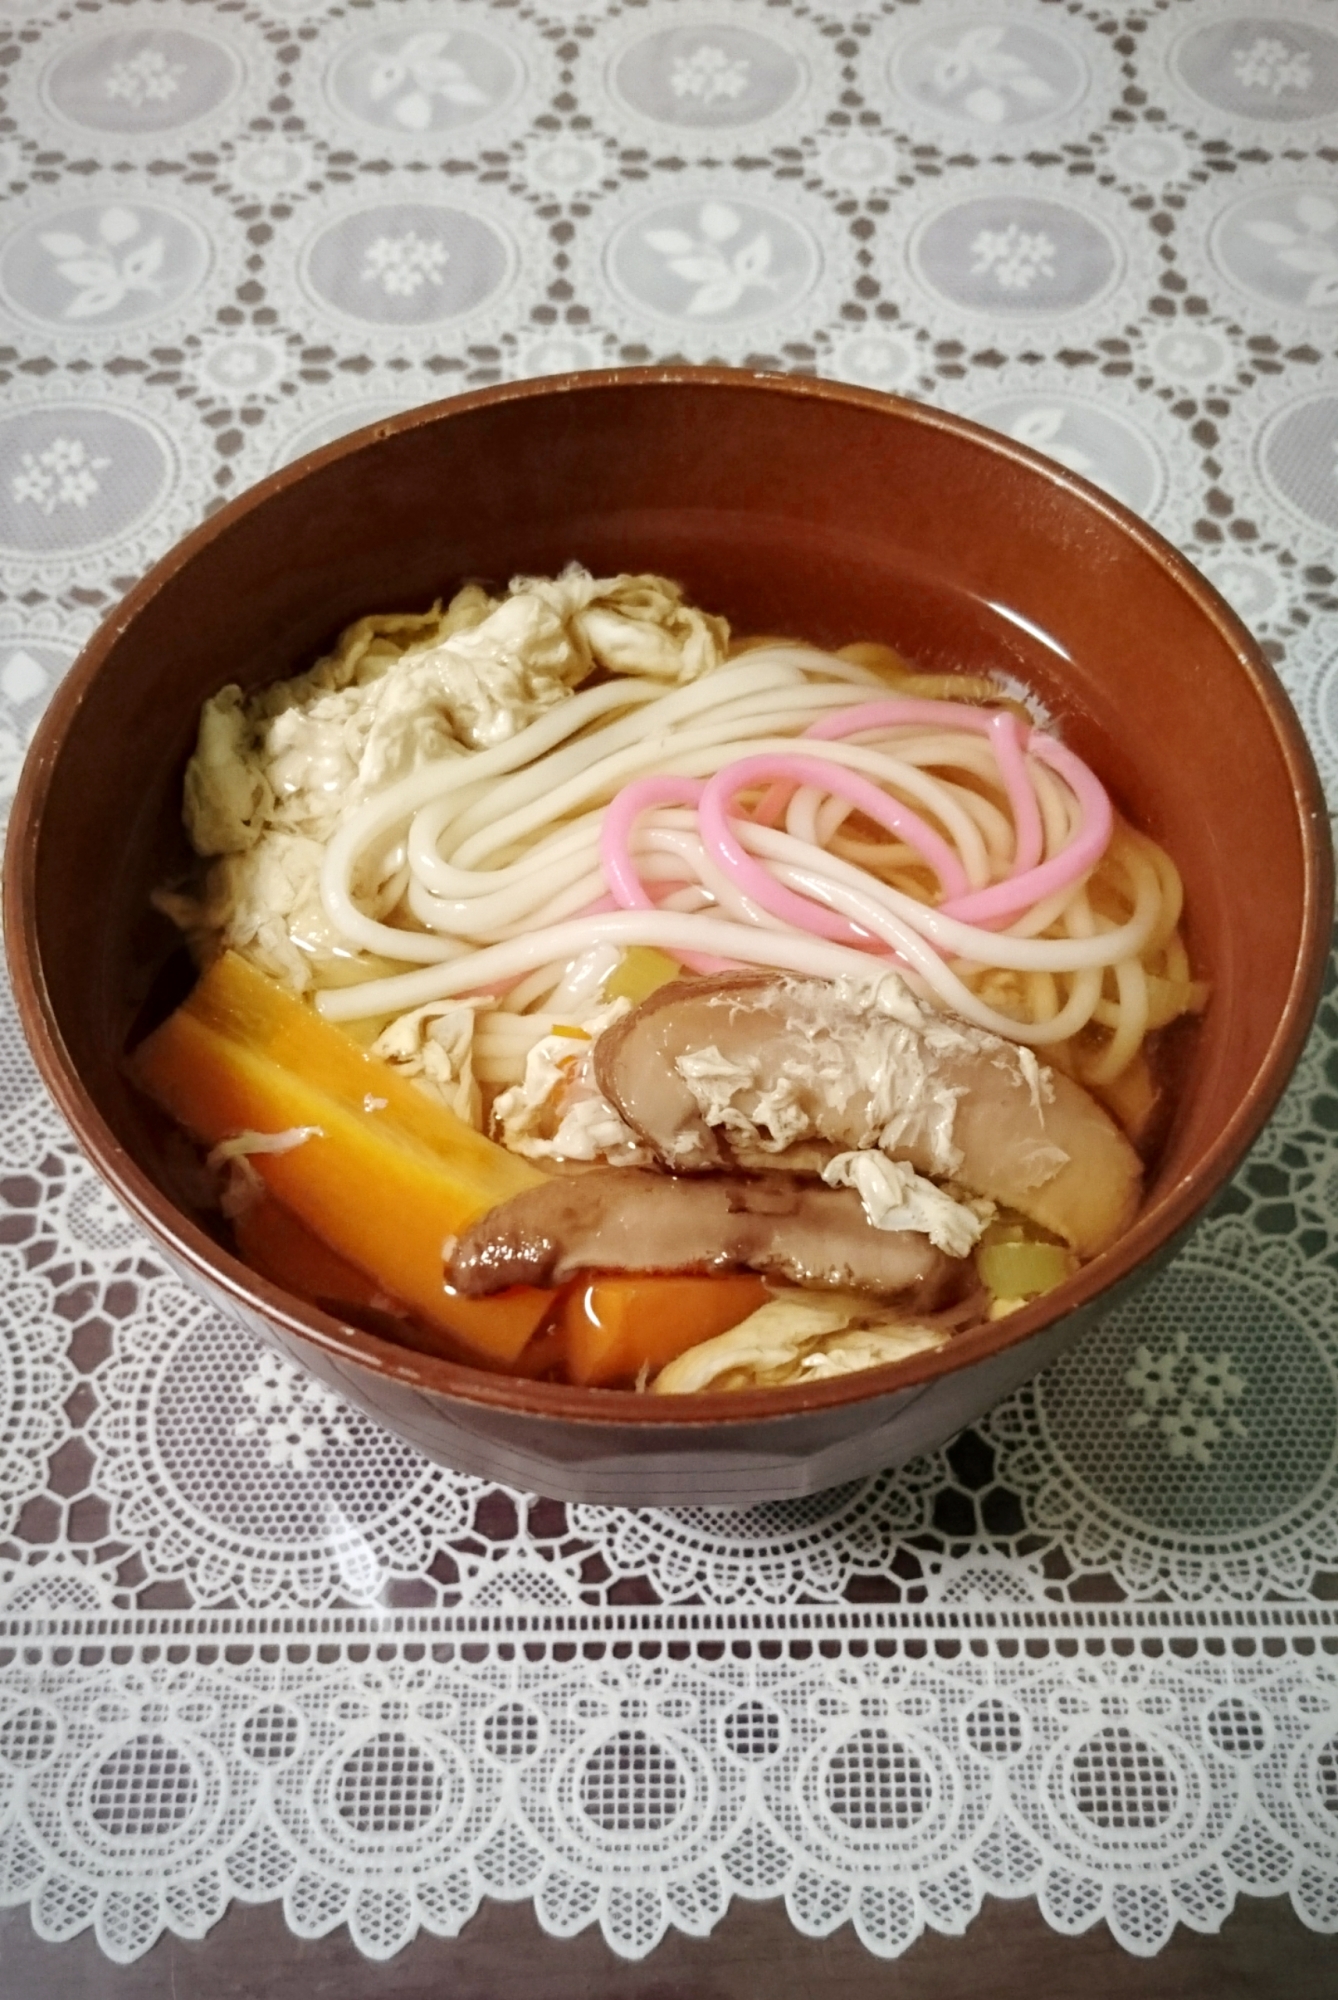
<point>252,1647</point>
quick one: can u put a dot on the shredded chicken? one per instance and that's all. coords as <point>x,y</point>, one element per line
<point>240,1186</point>
<point>243,1144</point>
<point>873,1045</point>
<point>557,1112</point>
<point>896,1197</point>
<point>434,1047</point>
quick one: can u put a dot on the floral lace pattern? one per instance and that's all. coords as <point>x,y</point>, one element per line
<point>63,475</point>
<point>251,1645</point>
<point>114,254</point>
<point>143,78</point>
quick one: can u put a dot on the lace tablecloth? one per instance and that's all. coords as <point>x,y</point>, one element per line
<point>251,1646</point>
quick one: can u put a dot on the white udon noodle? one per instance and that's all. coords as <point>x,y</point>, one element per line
<point>491,861</point>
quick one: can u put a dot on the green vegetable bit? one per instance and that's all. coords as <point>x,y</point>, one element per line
<point>1017,1269</point>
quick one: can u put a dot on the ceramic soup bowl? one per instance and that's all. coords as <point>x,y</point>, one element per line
<point>791,506</point>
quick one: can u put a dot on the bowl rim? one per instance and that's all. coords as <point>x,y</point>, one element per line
<point>1157,1228</point>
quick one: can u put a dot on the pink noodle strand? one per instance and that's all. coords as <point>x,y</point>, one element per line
<point>1009,899</point>
<point>620,816</point>
<point>1029,878</point>
<point>1028,835</point>
<point>615,858</point>
<point>1000,725</point>
<point>760,884</point>
<point>772,804</point>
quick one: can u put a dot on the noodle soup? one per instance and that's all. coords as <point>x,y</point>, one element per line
<point>711,1013</point>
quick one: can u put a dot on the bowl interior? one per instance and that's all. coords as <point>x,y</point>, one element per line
<point>792,507</point>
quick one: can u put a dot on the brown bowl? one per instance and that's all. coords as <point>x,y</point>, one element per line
<point>789,505</point>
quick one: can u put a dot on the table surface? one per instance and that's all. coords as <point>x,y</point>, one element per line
<point>1261,1953</point>
<point>234,232</point>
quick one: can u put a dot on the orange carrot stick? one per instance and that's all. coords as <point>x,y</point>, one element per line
<point>384,1177</point>
<point>617,1326</point>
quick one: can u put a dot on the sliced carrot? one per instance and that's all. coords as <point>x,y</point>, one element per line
<point>381,1181</point>
<point>243,1005</point>
<point>615,1327</point>
<point>363,1206</point>
<point>273,1241</point>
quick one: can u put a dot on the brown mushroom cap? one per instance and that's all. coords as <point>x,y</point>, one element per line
<point>1025,1136</point>
<point>628,1219</point>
